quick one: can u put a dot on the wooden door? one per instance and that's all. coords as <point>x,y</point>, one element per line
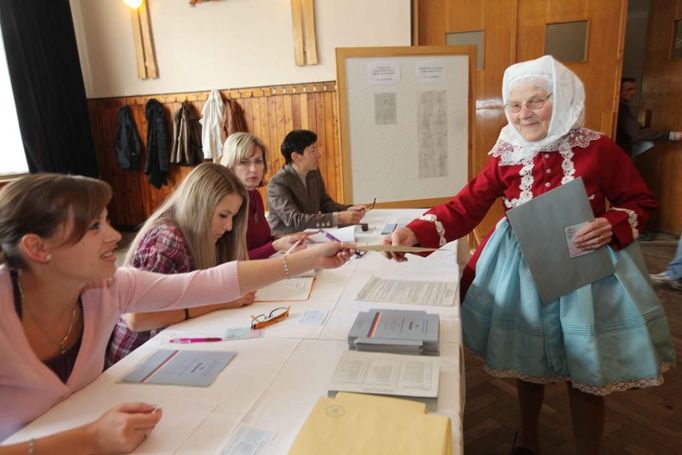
<point>514,31</point>
<point>662,96</point>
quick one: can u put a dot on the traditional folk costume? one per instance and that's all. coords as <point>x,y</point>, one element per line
<point>607,336</point>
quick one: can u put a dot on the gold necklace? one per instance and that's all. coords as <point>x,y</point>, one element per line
<point>61,343</point>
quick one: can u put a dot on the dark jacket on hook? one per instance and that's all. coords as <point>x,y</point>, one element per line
<point>157,144</point>
<point>128,145</point>
<point>233,120</point>
<point>186,137</point>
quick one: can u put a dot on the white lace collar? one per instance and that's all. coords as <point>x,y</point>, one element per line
<point>511,155</point>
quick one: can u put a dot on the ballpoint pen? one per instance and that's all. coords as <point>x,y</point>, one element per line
<point>195,340</point>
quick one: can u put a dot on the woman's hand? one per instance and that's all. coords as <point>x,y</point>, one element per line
<point>329,255</point>
<point>245,300</point>
<point>288,241</point>
<point>594,235</point>
<point>123,428</point>
<point>403,237</point>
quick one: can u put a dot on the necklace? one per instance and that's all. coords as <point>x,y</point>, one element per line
<point>61,343</point>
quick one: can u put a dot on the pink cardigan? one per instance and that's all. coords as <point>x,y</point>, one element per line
<point>28,388</point>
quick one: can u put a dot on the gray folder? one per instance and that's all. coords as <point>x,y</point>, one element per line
<point>540,228</point>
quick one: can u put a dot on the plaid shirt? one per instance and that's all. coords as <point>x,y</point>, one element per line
<point>163,250</point>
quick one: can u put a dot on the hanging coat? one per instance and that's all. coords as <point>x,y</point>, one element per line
<point>212,114</point>
<point>127,144</point>
<point>157,144</point>
<point>186,148</point>
<point>233,120</point>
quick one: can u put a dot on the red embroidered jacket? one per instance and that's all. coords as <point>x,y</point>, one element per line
<point>607,172</point>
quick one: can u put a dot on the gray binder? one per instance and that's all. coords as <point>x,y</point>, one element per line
<point>395,331</point>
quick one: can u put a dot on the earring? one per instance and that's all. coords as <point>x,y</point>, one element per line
<point>48,258</point>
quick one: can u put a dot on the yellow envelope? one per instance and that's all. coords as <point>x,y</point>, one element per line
<point>361,424</point>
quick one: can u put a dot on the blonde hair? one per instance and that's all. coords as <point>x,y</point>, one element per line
<point>191,208</point>
<point>242,146</point>
<point>41,203</point>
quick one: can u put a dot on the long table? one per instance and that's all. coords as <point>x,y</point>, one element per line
<point>274,380</point>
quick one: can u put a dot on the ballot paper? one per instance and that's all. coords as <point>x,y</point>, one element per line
<point>175,367</point>
<point>439,293</point>
<point>386,374</point>
<point>291,289</point>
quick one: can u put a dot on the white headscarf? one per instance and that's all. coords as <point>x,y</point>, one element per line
<point>568,104</point>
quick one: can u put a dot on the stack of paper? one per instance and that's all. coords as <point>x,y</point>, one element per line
<point>397,331</point>
<point>387,374</point>
<point>360,424</point>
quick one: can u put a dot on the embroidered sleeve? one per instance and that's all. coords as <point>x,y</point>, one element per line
<point>631,201</point>
<point>463,212</point>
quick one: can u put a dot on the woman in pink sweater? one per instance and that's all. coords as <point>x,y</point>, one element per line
<point>61,295</point>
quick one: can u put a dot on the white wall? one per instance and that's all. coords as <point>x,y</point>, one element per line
<point>226,43</point>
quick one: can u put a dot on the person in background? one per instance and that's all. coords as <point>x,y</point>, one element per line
<point>297,197</point>
<point>629,132</point>
<point>61,295</point>
<point>200,225</point>
<point>672,276</point>
<point>608,336</point>
<point>244,154</point>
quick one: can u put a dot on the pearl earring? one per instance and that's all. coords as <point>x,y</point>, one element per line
<point>48,258</point>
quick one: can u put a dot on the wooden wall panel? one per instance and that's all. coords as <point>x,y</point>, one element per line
<point>270,113</point>
<point>662,94</point>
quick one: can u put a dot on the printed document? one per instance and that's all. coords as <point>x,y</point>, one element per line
<point>387,374</point>
<point>296,288</point>
<point>438,293</point>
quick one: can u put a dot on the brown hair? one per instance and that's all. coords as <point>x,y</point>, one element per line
<point>41,203</point>
<point>191,207</point>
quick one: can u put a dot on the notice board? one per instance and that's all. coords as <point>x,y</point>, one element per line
<point>405,117</point>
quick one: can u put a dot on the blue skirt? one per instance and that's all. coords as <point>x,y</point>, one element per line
<point>608,336</point>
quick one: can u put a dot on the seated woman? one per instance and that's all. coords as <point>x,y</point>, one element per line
<point>61,295</point>
<point>201,224</point>
<point>244,154</point>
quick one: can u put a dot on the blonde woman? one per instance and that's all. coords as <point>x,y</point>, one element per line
<point>202,224</point>
<point>244,154</point>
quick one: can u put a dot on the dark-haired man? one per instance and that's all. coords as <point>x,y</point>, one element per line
<point>630,133</point>
<point>297,197</point>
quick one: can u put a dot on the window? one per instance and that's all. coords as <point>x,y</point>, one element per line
<point>567,41</point>
<point>12,156</point>
<point>469,39</point>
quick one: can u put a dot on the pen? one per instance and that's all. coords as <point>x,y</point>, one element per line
<point>329,236</point>
<point>291,248</point>
<point>195,340</point>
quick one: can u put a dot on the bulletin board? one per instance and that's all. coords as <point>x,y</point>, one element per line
<point>405,117</point>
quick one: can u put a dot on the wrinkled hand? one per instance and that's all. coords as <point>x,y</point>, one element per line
<point>404,237</point>
<point>124,427</point>
<point>286,242</point>
<point>351,216</point>
<point>245,300</point>
<point>329,255</point>
<point>594,235</point>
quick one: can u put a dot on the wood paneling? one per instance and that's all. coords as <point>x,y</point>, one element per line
<point>514,32</point>
<point>270,113</point>
<point>662,94</point>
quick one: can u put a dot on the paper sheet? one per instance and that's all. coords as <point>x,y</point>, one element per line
<point>248,440</point>
<point>174,367</point>
<point>292,289</point>
<point>387,374</point>
<point>438,293</point>
<point>344,234</point>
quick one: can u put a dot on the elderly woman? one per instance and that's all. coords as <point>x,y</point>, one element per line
<point>608,336</point>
